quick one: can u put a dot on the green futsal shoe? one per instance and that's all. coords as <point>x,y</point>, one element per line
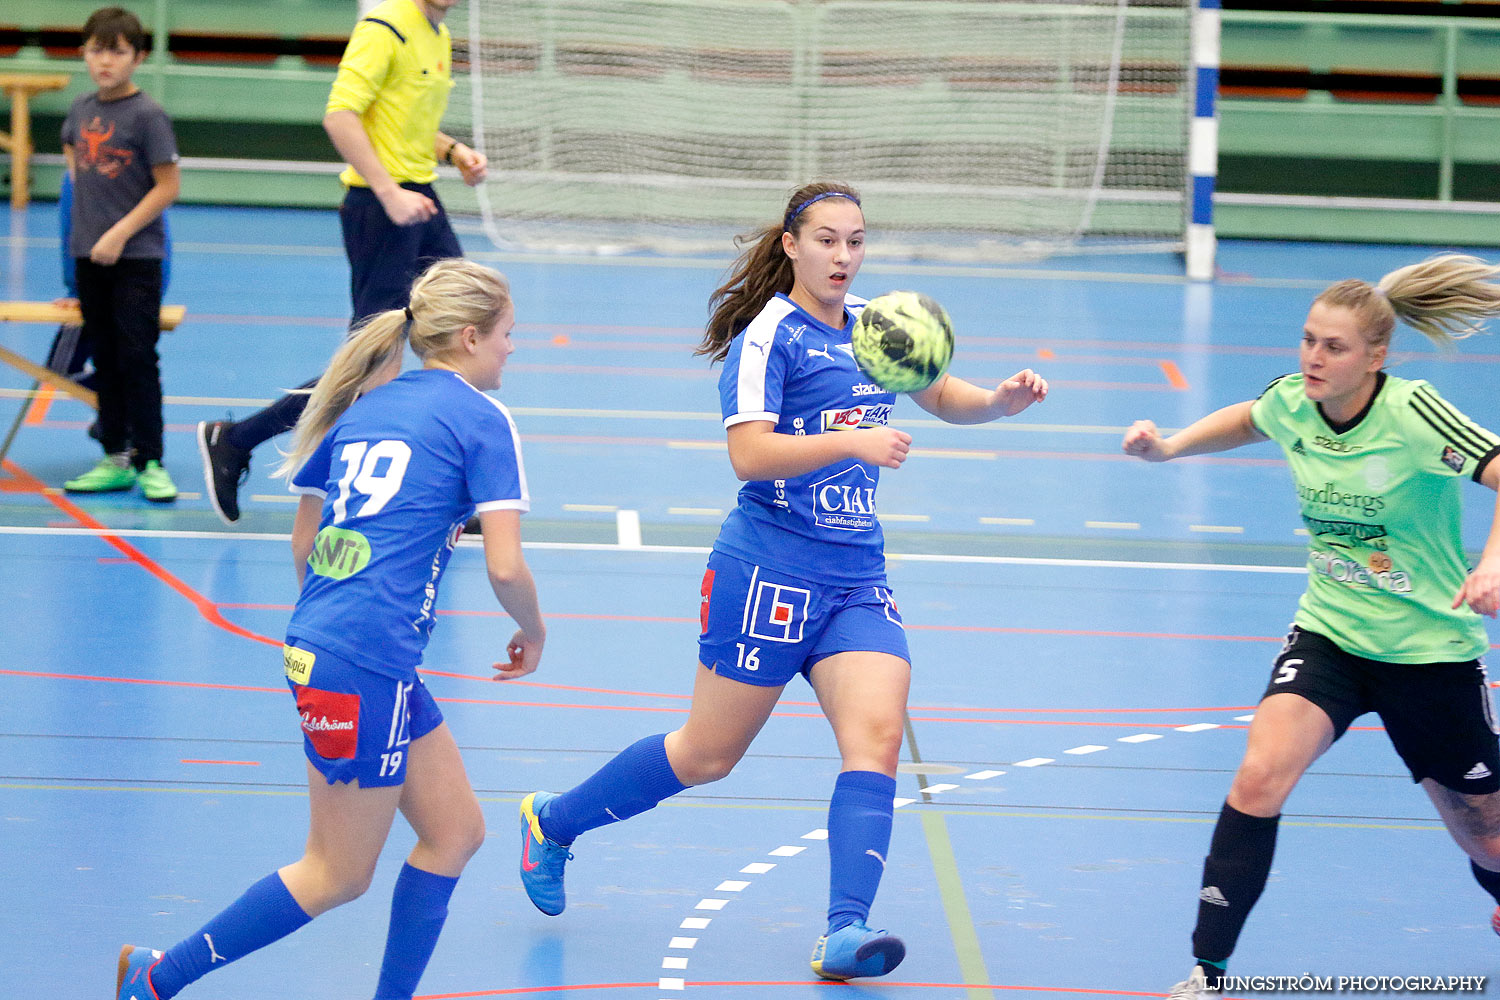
<point>156,484</point>
<point>111,475</point>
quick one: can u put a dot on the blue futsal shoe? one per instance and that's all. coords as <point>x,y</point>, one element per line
<point>856,951</point>
<point>542,860</point>
<point>133,980</point>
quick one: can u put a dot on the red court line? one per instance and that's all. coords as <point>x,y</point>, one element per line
<point>992,629</point>
<point>36,412</point>
<point>150,682</point>
<point>1174,375</point>
<point>504,703</point>
<point>205,607</point>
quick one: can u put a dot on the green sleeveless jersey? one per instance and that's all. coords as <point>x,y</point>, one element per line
<point>1380,501</point>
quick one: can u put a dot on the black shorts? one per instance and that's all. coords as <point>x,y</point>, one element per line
<point>1438,715</point>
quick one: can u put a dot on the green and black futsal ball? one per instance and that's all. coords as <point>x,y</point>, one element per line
<point>903,341</point>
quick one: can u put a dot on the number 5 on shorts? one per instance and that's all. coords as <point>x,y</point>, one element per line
<point>1286,671</point>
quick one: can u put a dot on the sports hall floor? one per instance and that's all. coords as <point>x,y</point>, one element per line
<point>1089,634</point>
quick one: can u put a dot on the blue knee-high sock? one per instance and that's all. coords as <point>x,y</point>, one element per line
<point>265,913</point>
<point>636,779</point>
<point>418,908</point>
<point>859,835</point>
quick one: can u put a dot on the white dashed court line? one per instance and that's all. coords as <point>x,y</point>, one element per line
<point>1114,525</point>
<point>696,511</point>
<point>1244,718</point>
<point>709,903</point>
<point>1217,529</point>
<point>912,518</point>
<point>591,508</point>
<point>1022,522</point>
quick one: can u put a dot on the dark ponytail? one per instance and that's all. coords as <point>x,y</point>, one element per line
<point>760,272</point>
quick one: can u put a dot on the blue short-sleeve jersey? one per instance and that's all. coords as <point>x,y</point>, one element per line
<point>400,473</point>
<point>799,374</point>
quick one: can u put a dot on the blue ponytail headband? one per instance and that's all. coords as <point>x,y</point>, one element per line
<point>791,216</point>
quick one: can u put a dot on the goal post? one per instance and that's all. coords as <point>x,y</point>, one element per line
<point>976,130</point>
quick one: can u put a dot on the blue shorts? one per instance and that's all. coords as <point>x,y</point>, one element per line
<point>356,724</point>
<point>762,627</point>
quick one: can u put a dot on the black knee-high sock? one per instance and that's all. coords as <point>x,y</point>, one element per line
<point>1489,880</point>
<point>1234,873</point>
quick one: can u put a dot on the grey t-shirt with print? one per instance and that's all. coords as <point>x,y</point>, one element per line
<point>115,145</point>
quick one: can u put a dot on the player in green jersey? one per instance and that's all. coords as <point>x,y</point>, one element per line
<point>1390,619</point>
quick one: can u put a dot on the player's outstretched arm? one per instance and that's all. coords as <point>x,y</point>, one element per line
<point>759,454</point>
<point>1221,430</point>
<point>1481,589</point>
<point>511,580</point>
<point>959,402</point>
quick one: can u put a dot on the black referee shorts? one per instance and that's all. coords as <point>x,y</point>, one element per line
<point>1438,715</point>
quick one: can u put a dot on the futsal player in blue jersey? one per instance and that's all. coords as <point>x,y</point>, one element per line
<point>387,481</point>
<point>796,582</point>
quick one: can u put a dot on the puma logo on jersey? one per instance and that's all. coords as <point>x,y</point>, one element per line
<point>876,855</point>
<point>1477,772</point>
<point>1211,894</point>
<point>820,354</point>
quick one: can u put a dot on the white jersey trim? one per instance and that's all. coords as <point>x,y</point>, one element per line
<point>745,418</point>
<point>750,388</point>
<point>515,439</point>
<point>307,491</point>
<point>521,505</point>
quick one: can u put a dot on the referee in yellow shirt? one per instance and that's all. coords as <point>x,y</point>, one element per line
<point>383,115</point>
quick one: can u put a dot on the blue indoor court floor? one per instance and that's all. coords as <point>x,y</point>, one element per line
<point>1089,636</point>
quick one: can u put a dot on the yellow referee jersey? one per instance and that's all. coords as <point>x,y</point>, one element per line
<point>395,74</point>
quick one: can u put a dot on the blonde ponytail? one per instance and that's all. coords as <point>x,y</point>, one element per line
<point>447,297</point>
<point>1445,298</point>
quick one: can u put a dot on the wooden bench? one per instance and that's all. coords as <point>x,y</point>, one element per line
<point>48,312</point>
<point>21,87</point>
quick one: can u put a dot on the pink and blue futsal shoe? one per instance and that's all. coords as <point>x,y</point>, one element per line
<point>542,860</point>
<point>855,951</point>
<point>133,980</point>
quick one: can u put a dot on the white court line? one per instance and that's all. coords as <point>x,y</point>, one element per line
<point>698,550</point>
<point>787,851</point>
<point>1140,738</point>
<point>732,885</point>
<point>711,904</point>
<point>685,943</point>
<point>674,962</point>
<point>815,835</point>
<point>983,775</point>
<point>1034,762</point>
<point>757,868</point>
<point>1197,727</point>
<point>1086,748</point>
<point>695,923</point>
<point>939,788</point>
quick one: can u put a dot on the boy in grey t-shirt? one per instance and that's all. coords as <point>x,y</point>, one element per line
<point>122,156</point>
